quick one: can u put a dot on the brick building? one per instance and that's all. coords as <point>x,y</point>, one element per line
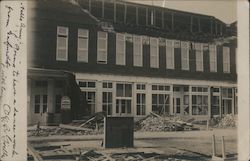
<point>128,59</point>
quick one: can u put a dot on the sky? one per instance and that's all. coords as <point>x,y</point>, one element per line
<point>225,10</point>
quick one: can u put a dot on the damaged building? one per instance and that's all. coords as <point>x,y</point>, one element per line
<point>128,59</point>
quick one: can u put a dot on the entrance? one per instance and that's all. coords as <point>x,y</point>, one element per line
<point>40,105</point>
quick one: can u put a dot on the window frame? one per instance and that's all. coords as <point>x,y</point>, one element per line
<point>83,37</point>
<point>62,35</point>
<point>226,59</point>
<point>213,58</point>
<point>105,51</point>
<point>122,53</point>
<point>152,55</point>
<point>199,50</point>
<point>185,55</point>
<point>135,54</point>
<point>170,55</point>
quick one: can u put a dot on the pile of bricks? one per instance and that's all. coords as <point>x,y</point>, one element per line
<point>157,124</point>
<point>228,121</point>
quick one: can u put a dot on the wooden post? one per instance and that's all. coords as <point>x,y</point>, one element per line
<point>137,19</point>
<point>191,24</point>
<point>213,146</point>
<point>223,147</point>
<point>125,13</point>
<point>172,22</point>
<point>207,124</point>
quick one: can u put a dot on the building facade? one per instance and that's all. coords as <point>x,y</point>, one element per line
<point>128,59</point>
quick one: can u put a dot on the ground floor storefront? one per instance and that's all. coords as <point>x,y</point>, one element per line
<point>138,96</point>
<point>124,96</point>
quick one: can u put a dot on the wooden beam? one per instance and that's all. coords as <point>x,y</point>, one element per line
<point>33,152</point>
<point>70,127</point>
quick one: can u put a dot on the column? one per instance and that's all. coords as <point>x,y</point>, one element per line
<point>209,102</point>
<point>190,100</point>
<point>171,99</point>
<point>148,98</point>
<point>98,101</point>
<point>51,96</point>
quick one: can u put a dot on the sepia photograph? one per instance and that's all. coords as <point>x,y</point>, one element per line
<point>129,80</point>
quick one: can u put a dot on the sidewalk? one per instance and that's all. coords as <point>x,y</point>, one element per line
<point>144,135</point>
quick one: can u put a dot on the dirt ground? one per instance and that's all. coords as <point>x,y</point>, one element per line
<point>193,145</point>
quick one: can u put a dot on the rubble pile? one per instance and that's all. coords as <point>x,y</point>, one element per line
<point>92,125</point>
<point>227,121</point>
<point>158,123</point>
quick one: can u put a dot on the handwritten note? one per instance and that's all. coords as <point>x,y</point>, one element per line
<point>13,81</point>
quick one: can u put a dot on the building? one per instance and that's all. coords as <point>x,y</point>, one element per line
<point>128,59</point>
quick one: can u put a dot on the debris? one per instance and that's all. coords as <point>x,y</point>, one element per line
<point>156,123</point>
<point>227,121</point>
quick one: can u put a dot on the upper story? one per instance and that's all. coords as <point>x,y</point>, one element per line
<point>103,36</point>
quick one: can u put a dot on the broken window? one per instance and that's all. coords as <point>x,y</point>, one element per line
<point>160,103</point>
<point>199,104</point>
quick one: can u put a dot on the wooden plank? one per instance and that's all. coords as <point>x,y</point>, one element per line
<point>155,114</point>
<point>70,127</point>
<point>87,121</point>
<point>33,152</point>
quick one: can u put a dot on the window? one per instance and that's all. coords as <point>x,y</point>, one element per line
<point>160,103</point>
<point>102,47</point>
<point>120,49</point>
<point>123,98</point>
<point>37,103</point>
<point>58,104</point>
<point>107,102</point>
<point>199,104</point>
<point>226,60</point>
<point>45,100</point>
<point>215,110</point>
<point>123,90</point>
<point>140,86</point>
<point>213,58</point>
<point>186,104</point>
<point>90,98</point>
<point>170,54</point>
<point>160,88</point>
<point>137,50</point>
<point>199,89</point>
<point>141,104</point>
<point>199,56</point>
<point>184,55</point>
<point>62,44</point>
<point>154,53</point>
<point>82,47</point>
<point>107,85</point>
<point>87,84</point>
